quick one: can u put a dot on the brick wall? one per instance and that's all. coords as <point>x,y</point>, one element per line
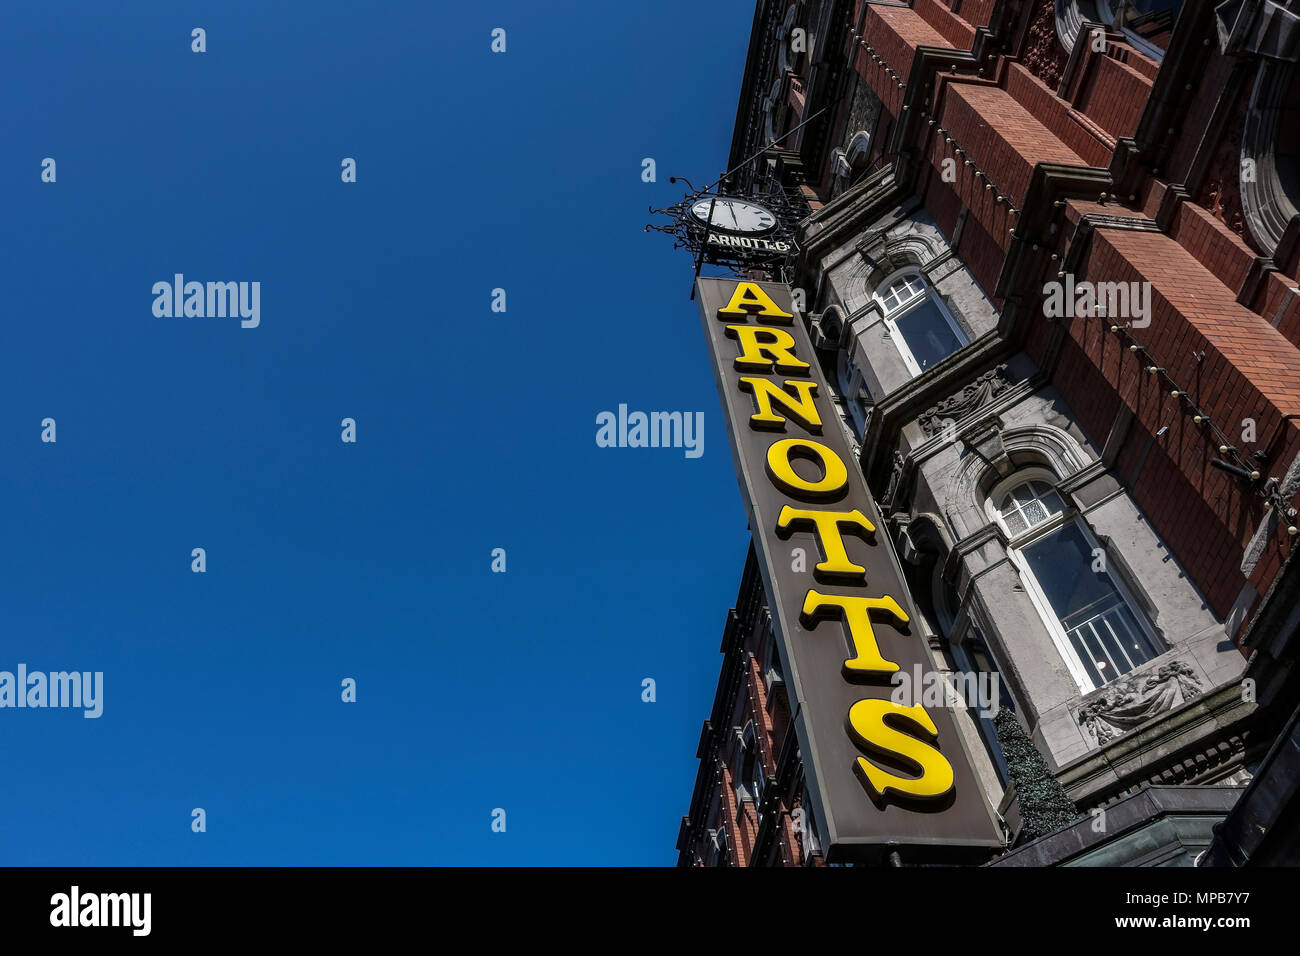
<point>1250,371</point>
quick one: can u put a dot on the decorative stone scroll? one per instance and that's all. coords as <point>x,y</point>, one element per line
<point>956,407</point>
<point>1135,699</point>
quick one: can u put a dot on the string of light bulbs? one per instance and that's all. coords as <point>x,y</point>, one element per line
<point>1243,470</point>
<point>999,196</point>
<point>884,65</point>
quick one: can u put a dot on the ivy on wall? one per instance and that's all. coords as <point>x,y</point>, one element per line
<point>1044,805</point>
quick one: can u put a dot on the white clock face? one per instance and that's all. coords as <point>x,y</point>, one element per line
<point>734,215</point>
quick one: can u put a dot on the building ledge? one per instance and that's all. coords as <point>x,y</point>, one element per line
<point>1154,826</point>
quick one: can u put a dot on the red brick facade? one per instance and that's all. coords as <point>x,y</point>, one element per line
<point>1006,121</point>
<point>1111,164</point>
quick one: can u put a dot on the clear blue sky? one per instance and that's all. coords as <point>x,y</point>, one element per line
<point>475,430</point>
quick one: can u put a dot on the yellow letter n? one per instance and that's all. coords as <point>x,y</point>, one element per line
<point>799,405</point>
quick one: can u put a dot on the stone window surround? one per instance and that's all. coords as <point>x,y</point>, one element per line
<point>1072,17</point>
<point>1071,514</point>
<point>748,740</point>
<point>961,521</point>
<point>720,852</point>
<point>925,534</point>
<point>1268,196</point>
<point>871,313</point>
<point>1266,35</point>
<point>890,316</point>
<point>848,390</point>
<point>1040,449</point>
<point>1037,445</point>
<point>1002,452</point>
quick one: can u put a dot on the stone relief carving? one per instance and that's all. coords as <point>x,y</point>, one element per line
<point>1135,699</point>
<point>887,502</point>
<point>956,407</point>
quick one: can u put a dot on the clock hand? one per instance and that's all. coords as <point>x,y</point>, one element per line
<point>732,209</point>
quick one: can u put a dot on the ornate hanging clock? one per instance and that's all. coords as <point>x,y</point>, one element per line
<point>741,232</point>
<point>737,216</point>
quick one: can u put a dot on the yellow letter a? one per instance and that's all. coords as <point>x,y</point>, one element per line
<point>749,299</point>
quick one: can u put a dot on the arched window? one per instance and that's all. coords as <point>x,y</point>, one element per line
<point>1099,629</point>
<point>751,765</point>
<point>808,829</point>
<point>772,672</point>
<point>848,381</point>
<point>845,372</point>
<point>1147,24</point>
<point>721,847</point>
<point>919,323</point>
<point>1270,151</point>
<point>1028,505</point>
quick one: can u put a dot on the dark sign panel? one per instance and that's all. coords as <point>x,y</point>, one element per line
<point>880,774</point>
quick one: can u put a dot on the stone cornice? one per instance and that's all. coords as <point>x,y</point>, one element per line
<point>890,414</point>
<point>974,422</point>
<point>838,221</point>
<point>1030,251</point>
<point>1169,102</point>
<point>965,583</point>
<point>1095,469</point>
<point>1155,753</point>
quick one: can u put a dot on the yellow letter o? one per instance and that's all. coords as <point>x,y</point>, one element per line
<point>835,476</point>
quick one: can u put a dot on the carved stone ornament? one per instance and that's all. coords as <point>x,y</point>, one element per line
<point>887,502</point>
<point>1135,699</point>
<point>956,407</point>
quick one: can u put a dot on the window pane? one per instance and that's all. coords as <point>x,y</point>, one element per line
<point>928,334</point>
<point>1035,513</point>
<point>844,373</point>
<point>1114,641</point>
<point>1088,657</point>
<point>1030,504</point>
<point>1052,503</point>
<point>1152,20</point>
<point>901,291</point>
<point>1062,564</point>
<point>1100,625</point>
